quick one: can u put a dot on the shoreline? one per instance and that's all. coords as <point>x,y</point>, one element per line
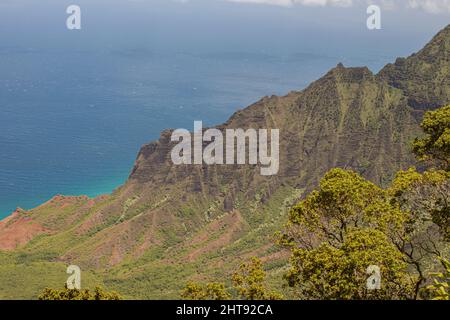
<point>91,192</point>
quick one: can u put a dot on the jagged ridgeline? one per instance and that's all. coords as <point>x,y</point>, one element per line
<point>170,224</point>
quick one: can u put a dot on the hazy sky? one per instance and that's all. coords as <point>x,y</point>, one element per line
<point>223,25</point>
<point>431,6</point>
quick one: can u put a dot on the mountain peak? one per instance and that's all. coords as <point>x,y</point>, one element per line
<point>341,73</point>
<point>424,76</point>
<point>444,33</point>
<point>438,47</point>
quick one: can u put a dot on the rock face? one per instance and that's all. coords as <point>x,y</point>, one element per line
<point>169,224</point>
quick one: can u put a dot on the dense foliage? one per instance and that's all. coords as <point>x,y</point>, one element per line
<point>440,289</point>
<point>337,232</point>
<point>75,294</point>
<point>248,284</point>
<point>436,144</point>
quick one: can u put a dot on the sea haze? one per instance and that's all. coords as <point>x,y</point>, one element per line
<point>75,106</point>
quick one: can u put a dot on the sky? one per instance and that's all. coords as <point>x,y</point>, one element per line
<point>434,6</point>
<point>186,24</point>
<point>431,6</point>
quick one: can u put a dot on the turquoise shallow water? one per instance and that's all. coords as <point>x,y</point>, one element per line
<point>75,107</point>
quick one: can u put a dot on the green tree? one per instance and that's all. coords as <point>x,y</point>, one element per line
<point>425,234</point>
<point>210,291</point>
<point>435,146</point>
<point>426,196</point>
<point>329,272</point>
<point>75,294</point>
<point>340,230</point>
<point>440,290</point>
<point>248,282</point>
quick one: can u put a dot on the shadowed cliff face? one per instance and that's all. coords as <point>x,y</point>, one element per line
<point>198,221</point>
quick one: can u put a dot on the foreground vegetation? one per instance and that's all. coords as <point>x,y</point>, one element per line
<point>75,294</point>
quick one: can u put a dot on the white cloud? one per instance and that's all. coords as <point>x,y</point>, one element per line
<point>432,6</point>
<point>287,3</point>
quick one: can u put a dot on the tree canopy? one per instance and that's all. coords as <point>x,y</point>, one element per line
<point>248,284</point>
<point>436,144</point>
<point>74,294</point>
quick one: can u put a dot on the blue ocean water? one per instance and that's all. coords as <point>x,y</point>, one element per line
<point>76,107</point>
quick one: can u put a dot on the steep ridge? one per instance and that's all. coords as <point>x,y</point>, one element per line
<point>424,76</point>
<point>169,223</point>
